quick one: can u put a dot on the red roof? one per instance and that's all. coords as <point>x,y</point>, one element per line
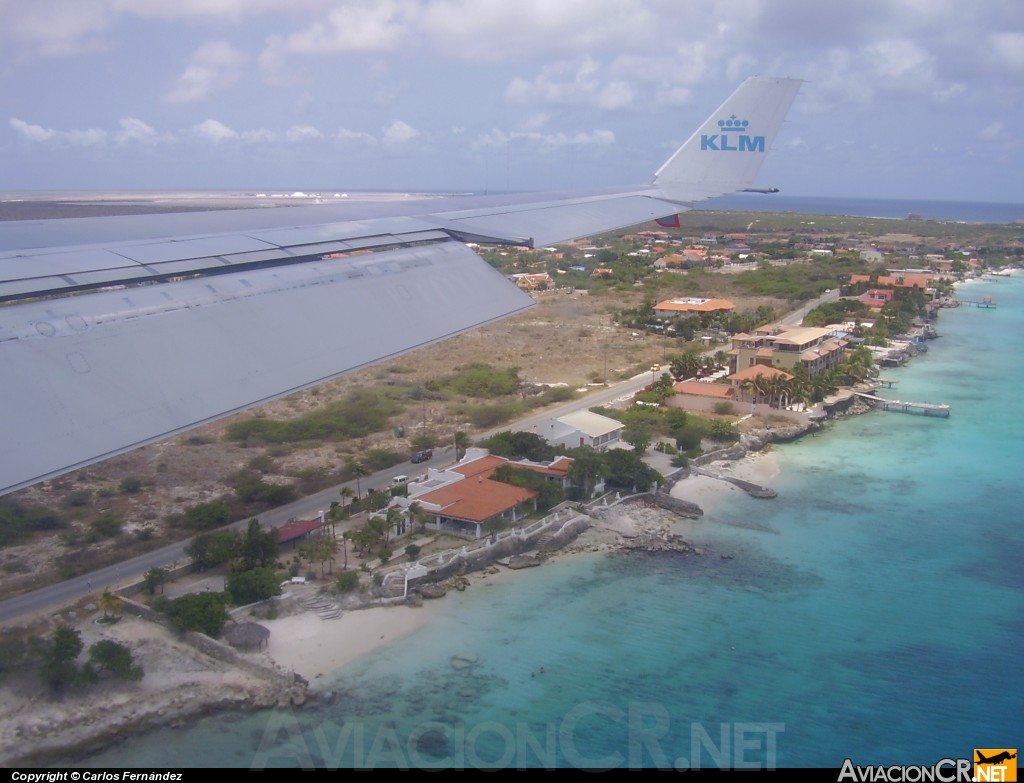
<point>485,466</point>
<point>296,528</point>
<point>759,369</point>
<point>476,500</point>
<point>700,389</point>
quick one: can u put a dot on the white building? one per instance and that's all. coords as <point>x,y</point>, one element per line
<point>582,428</point>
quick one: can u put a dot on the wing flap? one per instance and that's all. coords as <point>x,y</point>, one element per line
<point>554,221</point>
<point>120,369</point>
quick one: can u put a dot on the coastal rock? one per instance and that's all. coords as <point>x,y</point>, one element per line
<point>432,591</point>
<point>522,561</point>
<point>464,660</point>
<point>434,742</point>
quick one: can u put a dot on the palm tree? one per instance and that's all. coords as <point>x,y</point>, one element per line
<point>685,366</point>
<point>396,520</point>
<point>749,387</point>
<point>345,536</point>
<point>418,515</point>
<point>110,603</point>
<point>346,493</point>
<point>588,465</point>
<point>358,469</point>
<point>461,444</point>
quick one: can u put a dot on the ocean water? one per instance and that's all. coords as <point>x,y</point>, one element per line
<point>958,211</point>
<point>873,611</point>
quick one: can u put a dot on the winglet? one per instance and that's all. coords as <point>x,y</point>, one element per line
<point>726,152</point>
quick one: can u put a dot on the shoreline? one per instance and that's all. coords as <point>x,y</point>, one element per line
<point>183,684</point>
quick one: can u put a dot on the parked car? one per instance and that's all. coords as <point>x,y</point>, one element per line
<point>422,456</point>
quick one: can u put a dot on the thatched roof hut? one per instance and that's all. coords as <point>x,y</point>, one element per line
<point>246,635</point>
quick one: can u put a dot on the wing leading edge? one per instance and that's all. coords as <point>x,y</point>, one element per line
<point>281,299</point>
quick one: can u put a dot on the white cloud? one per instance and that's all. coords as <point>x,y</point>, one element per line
<point>91,137</point>
<point>54,28</point>
<point>300,133</point>
<point>398,132</point>
<point>352,26</point>
<point>534,122</point>
<point>214,130</point>
<point>994,132</point>
<point>562,83</point>
<point>213,67</point>
<point>258,136</point>
<point>615,94</point>
<point>32,132</point>
<point>136,131</point>
<point>1007,49</point>
<point>545,141</point>
<point>345,135</point>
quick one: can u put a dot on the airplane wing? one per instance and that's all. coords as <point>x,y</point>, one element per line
<point>120,331</point>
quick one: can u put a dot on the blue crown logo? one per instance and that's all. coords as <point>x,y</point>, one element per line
<point>733,124</point>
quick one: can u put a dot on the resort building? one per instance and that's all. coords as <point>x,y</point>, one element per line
<point>534,282</point>
<point>898,280</point>
<point>581,428</point>
<point>463,498</point>
<point>816,349</point>
<point>688,305</point>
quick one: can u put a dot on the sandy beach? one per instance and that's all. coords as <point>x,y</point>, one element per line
<point>313,647</point>
<point>181,682</point>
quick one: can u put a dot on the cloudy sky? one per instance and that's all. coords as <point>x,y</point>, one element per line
<point>903,98</point>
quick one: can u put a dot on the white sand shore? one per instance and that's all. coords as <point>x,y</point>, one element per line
<point>312,647</point>
<point>181,682</point>
<point>758,468</point>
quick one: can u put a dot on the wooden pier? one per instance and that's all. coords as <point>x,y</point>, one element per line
<point>986,302</point>
<point>901,406</point>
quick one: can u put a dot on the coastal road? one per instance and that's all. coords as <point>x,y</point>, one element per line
<point>309,507</point>
<point>797,316</point>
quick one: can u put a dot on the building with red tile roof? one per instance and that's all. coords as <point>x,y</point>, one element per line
<point>703,389</point>
<point>296,530</point>
<point>817,349</point>
<point>464,497</point>
<point>685,305</point>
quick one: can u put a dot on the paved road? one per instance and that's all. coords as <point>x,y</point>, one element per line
<point>795,317</point>
<point>308,507</point>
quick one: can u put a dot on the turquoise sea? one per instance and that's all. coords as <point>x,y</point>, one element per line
<point>878,616</point>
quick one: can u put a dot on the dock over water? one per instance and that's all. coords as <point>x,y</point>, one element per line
<point>902,406</point>
<point>986,302</point>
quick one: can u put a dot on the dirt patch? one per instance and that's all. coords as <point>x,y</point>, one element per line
<point>567,339</point>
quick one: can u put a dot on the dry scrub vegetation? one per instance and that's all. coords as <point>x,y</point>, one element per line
<point>567,339</point>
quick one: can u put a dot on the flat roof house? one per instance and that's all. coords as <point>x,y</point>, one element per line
<point>581,428</point>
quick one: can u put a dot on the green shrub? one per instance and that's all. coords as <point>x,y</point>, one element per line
<point>204,516</point>
<point>484,416</point>
<point>483,381</point>
<point>130,486</point>
<point>106,526</point>
<point>257,584</point>
<point>203,612</point>
<point>347,581</point>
